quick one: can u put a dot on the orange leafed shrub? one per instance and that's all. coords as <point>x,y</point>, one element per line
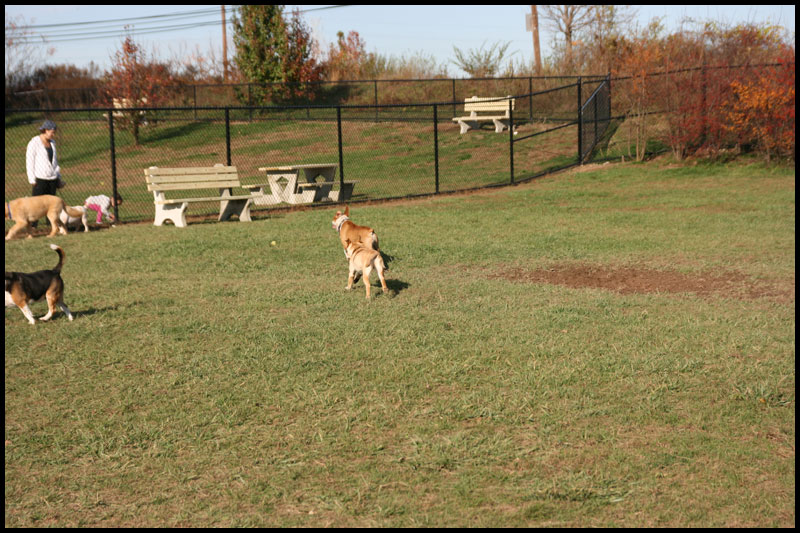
<point>762,110</point>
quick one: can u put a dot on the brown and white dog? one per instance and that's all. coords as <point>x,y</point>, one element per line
<point>363,259</point>
<point>22,288</point>
<point>354,233</point>
<point>25,211</point>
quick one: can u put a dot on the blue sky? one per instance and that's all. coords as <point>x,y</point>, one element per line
<point>389,30</point>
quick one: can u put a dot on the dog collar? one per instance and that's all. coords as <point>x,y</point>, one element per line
<point>340,222</point>
<point>8,208</point>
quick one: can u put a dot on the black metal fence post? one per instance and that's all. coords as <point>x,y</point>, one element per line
<point>113,161</point>
<point>341,152</point>
<point>436,144</point>
<point>511,138</point>
<point>530,98</point>
<point>375,82</point>
<point>228,136</point>
<point>580,123</point>
<point>454,97</point>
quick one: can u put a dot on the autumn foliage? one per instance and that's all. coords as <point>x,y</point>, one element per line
<point>761,109</point>
<point>347,58</point>
<point>709,91</point>
<point>275,54</point>
<point>134,81</point>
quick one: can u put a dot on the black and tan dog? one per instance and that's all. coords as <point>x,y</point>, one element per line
<point>25,211</point>
<point>364,259</point>
<point>22,288</point>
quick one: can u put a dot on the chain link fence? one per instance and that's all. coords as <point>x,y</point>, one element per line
<point>328,93</point>
<point>390,151</point>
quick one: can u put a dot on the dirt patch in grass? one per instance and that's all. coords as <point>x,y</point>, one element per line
<point>628,279</point>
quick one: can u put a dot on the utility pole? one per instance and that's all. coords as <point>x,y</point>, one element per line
<point>532,25</point>
<point>224,48</point>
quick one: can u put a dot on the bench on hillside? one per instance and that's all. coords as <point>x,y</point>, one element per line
<point>476,105</point>
<point>121,104</point>
<point>198,180</point>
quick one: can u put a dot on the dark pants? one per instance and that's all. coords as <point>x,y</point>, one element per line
<point>45,187</point>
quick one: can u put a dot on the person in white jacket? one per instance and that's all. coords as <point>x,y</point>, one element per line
<point>41,161</point>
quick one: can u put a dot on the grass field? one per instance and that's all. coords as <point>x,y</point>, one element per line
<point>612,346</point>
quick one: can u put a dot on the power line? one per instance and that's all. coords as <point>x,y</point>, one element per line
<point>23,35</point>
<point>112,33</point>
<point>131,19</point>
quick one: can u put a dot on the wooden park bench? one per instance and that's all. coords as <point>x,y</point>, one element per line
<point>476,105</point>
<point>163,181</point>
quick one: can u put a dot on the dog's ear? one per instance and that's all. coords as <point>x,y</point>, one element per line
<point>347,210</point>
<point>337,215</point>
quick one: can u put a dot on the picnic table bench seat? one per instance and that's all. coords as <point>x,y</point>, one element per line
<point>161,181</point>
<point>475,105</point>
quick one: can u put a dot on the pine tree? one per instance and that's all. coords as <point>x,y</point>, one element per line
<point>260,37</point>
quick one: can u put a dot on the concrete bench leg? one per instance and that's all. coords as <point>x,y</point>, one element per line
<point>323,192</point>
<point>466,125</point>
<point>261,197</point>
<point>240,208</point>
<point>499,125</point>
<point>174,212</point>
<point>305,197</point>
<point>343,194</point>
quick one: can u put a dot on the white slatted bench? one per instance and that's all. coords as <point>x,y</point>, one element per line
<point>161,181</point>
<point>125,104</point>
<point>476,105</point>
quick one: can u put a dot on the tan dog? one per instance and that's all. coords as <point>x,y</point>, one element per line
<point>349,231</point>
<point>364,259</point>
<point>22,288</point>
<point>25,211</point>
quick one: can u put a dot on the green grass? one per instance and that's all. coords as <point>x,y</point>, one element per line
<point>210,379</point>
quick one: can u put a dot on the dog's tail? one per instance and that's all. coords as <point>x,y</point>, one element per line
<point>61,256</point>
<point>73,212</point>
<point>374,242</point>
<point>379,261</point>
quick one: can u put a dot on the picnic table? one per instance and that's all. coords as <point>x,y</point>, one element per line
<point>285,185</point>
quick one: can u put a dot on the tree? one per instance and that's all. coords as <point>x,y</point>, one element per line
<point>301,68</point>
<point>134,81</point>
<point>568,20</point>
<point>23,54</point>
<point>276,54</point>
<point>639,58</point>
<point>609,25</point>
<point>481,63</point>
<point>347,57</point>
<point>259,35</point>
